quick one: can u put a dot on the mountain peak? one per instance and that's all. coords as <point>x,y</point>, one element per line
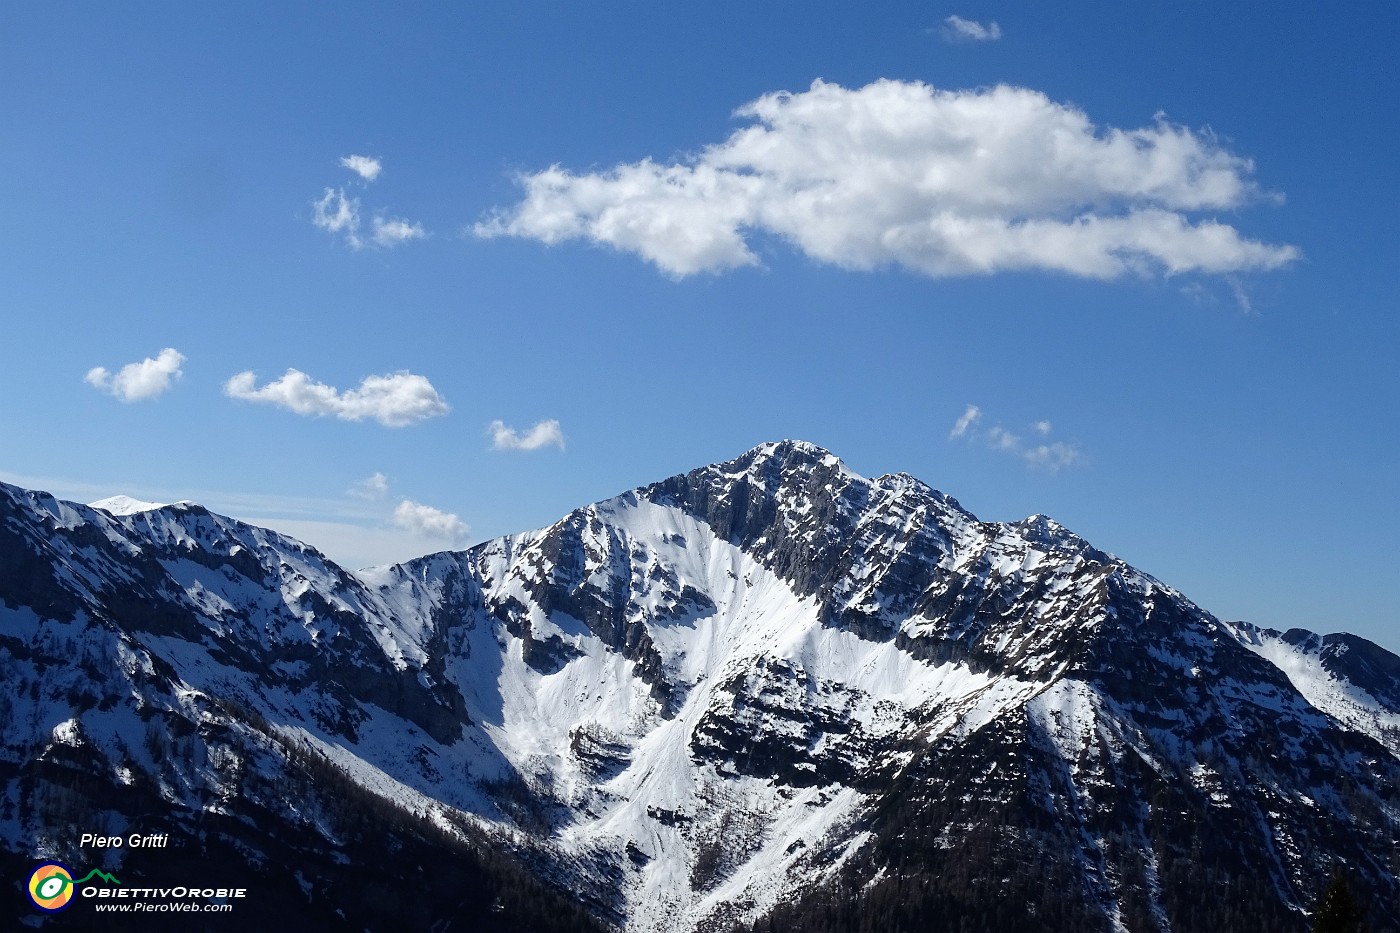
<point>700,705</point>
<point>787,453</point>
<point>1043,530</point>
<point>125,505</point>
<point>793,445</point>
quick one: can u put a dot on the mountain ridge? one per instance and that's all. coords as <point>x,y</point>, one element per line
<point>726,698</point>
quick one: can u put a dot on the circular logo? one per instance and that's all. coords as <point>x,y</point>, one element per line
<point>51,886</point>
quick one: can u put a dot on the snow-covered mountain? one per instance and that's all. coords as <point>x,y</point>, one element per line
<point>126,505</point>
<point>767,691</point>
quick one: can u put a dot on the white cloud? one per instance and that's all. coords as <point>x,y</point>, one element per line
<point>391,231</point>
<point>367,167</point>
<point>375,486</point>
<point>336,213</point>
<point>898,173</point>
<point>544,434</point>
<point>957,29</point>
<point>1051,455</point>
<point>966,420</point>
<point>430,522</point>
<point>1054,457</point>
<point>394,401</point>
<point>1241,296</point>
<point>998,438</point>
<point>135,382</point>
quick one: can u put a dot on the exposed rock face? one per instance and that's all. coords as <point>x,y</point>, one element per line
<point>768,689</point>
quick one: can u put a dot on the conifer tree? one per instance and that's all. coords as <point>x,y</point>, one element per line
<point>1337,909</point>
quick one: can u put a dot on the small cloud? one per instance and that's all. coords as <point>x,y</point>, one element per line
<point>544,434</point>
<point>390,231</point>
<point>957,29</point>
<point>428,521</point>
<point>1054,457</point>
<point>1001,439</point>
<point>965,421</point>
<point>367,167</point>
<point>1197,293</point>
<point>371,488</point>
<point>1205,295</point>
<point>1051,455</point>
<point>396,400</point>
<point>1241,296</point>
<point>135,382</point>
<point>335,213</point>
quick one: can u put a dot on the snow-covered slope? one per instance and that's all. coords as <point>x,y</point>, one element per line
<point>768,689</point>
<point>1350,679</point>
<point>684,707</point>
<point>126,505</point>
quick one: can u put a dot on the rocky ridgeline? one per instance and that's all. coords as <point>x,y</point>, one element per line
<point>766,692</point>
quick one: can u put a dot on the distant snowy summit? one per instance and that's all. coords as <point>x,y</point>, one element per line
<point>125,505</point>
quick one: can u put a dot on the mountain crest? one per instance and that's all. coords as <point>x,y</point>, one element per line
<point>764,694</point>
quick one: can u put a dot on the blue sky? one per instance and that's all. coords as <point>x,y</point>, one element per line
<point>1145,255</point>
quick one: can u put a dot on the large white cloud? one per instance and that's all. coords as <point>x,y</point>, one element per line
<point>137,381</point>
<point>429,522</point>
<point>900,173</point>
<point>545,434</point>
<point>395,400</point>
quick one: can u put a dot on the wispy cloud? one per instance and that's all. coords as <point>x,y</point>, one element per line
<point>338,213</point>
<point>371,488</point>
<point>957,29</point>
<point>367,167</point>
<point>998,438</point>
<point>394,401</point>
<point>333,212</point>
<point>544,434</point>
<point>1241,296</point>
<point>1054,457</point>
<point>1232,288</point>
<point>429,522</point>
<point>136,382</point>
<point>966,420</point>
<point>393,231</point>
<point>1047,454</point>
<point>898,173</point>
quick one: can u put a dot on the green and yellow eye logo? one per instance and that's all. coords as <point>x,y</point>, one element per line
<point>51,886</point>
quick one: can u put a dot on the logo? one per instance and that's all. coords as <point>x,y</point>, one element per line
<point>51,886</point>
